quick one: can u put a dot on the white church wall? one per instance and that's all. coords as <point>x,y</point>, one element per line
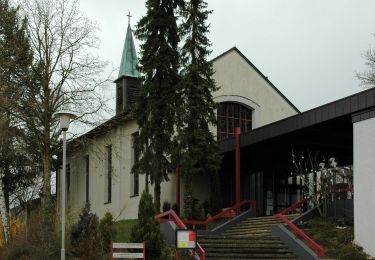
<point>239,82</point>
<point>364,180</point>
<point>168,190</point>
<point>123,205</point>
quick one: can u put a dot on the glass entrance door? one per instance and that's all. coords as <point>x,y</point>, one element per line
<point>282,191</point>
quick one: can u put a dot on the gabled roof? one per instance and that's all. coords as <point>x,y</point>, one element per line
<point>129,60</point>
<point>259,72</point>
<point>121,118</point>
<point>113,122</point>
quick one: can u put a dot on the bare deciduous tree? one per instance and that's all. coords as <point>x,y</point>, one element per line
<point>66,74</point>
<point>367,77</point>
<point>319,178</point>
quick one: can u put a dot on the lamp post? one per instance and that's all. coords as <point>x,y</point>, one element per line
<point>64,117</point>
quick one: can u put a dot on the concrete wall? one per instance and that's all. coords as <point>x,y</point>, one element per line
<point>364,184</point>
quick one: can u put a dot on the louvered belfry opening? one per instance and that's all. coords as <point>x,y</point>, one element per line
<point>231,115</point>
<point>126,93</point>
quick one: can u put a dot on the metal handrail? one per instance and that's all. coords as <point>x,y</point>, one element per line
<point>294,206</point>
<point>206,222</point>
<point>318,248</point>
<point>172,216</point>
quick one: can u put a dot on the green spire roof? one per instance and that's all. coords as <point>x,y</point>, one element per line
<point>129,61</point>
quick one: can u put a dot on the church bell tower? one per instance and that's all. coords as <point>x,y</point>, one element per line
<point>129,77</point>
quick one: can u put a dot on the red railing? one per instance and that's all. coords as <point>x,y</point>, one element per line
<point>298,204</point>
<point>318,248</point>
<point>172,216</point>
<point>344,190</point>
<point>222,214</point>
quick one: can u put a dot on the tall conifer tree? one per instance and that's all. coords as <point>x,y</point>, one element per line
<point>198,147</point>
<point>155,111</point>
<point>15,64</point>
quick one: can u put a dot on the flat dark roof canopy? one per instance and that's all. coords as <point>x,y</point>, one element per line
<point>327,129</point>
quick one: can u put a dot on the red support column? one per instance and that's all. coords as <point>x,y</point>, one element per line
<point>238,170</point>
<point>111,250</point>
<point>144,250</point>
<point>178,168</point>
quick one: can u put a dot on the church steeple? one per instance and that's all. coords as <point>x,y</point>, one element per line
<point>129,77</point>
<point>129,60</point>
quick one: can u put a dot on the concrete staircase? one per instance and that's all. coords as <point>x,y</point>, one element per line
<point>250,239</point>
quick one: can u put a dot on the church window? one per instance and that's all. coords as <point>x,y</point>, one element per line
<point>87,179</point>
<point>230,116</point>
<point>135,176</point>
<point>109,175</point>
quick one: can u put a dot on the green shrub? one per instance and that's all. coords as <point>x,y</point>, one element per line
<point>166,206</point>
<point>176,208</point>
<point>85,236</point>
<point>107,230</point>
<point>191,207</point>
<point>20,251</point>
<point>38,241</point>
<point>147,229</point>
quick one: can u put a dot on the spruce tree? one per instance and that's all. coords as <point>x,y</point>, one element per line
<point>197,145</point>
<point>155,111</point>
<point>15,61</point>
<point>147,229</point>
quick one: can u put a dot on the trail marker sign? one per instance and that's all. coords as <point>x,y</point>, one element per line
<point>186,239</point>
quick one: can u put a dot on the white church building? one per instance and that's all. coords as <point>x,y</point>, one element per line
<point>99,162</point>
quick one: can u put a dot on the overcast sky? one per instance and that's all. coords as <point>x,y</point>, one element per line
<point>309,49</point>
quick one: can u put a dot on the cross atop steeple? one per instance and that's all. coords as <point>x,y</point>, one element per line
<point>129,16</point>
<point>129,61</point>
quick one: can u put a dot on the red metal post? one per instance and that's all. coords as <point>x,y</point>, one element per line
<point>144,250</point>
<point>178,168</point>
<point>177,254</point>
<point>238,170</point>
<point>111,250</point>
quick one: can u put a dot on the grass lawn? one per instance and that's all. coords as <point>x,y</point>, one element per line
<point>336,240</point>
<point>123,228</point>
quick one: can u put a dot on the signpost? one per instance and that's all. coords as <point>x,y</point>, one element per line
<point>185,239</point>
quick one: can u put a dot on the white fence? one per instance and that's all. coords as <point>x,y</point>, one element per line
<point>126,255</point>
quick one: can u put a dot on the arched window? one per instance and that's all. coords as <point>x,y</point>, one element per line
<point>231,115</point>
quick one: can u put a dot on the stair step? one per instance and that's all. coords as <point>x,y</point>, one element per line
<point>245,232</point>
<point>246,246</point>
<point>239,228</point>
<point>230,239</point>
<point>233,242</point>
<point>231,258</point>
<point>250,239</point>
<point>252,256</point>
<point>260,223</point>
<point>249,250</point>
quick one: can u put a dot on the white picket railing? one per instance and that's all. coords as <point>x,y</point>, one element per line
<point>126,255</point>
